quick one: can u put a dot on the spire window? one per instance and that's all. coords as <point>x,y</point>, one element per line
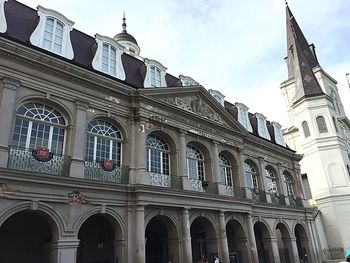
<point>321,124</point>
<point>306,129</point>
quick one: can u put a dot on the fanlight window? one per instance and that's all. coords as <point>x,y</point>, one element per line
<point>271,182</point>
<point>195,163</point>
<point>103,142</point>
<point>157,155</point>
<point>251,175</point>
<point>288,181</point>
<point>53,35</point>
<point>225,170</point>
<point>39,126</point>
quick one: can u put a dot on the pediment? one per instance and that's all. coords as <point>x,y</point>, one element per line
<point>195,100</point>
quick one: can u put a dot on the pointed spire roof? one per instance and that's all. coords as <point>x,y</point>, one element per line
<point>301,60</point>
<point>125,36</point>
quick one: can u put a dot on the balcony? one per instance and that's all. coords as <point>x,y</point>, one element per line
<point>31,160</point>
<point>164,180</point>
<point>94,171</point>
<point>259,195</point>
<point>234,191</point>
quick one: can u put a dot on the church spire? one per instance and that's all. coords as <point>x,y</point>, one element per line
<point>301,60</point>
<point>124,23</point>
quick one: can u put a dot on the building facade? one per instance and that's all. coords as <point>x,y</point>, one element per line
<point>320,131</point>
<point>105,157</point>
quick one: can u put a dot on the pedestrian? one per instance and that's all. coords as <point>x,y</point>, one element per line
<point>216,260</point>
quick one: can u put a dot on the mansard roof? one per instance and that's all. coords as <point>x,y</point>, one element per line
<point>301,60</point>
<point>22,21</point>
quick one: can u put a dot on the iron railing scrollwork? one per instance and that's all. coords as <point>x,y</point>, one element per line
<point>93,171</point>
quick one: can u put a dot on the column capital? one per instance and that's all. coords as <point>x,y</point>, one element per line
<point>182,132</point>
<point>10,83</point>
<point>65,243</point>
<point>215,143</point>
<point>82,105</point>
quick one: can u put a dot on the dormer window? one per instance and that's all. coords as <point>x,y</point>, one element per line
<point>187,81</point>
<point>108,57</point>
<point>218,96</point>
<point>262,128</point>
<point>243,117</point>
<point>3,24</point>
<point>53,33</point>
<point>155,74</point>
<point>277,129</point>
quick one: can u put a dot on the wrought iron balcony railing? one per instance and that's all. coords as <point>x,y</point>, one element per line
<point>24,159</point>
<point>164,180</point>
<point>94,171</point>
<point>203,186</point>
<point>235,191</point>
<point>259,195</point>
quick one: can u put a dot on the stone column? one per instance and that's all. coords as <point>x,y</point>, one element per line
<point>223,238</point>
<point>79,137</point>
<point>182,154</point>
<point>7,110</point>
<point>140,153</point>
<point>139,234</point>
<point>291,244</point>
<point>64,250</point>
<point>241,173</point>
<point>282,186</point>
<point>119,251</point>
<point>215,163</point>
<point>186,236</point>
<point>251,236</point>
<point>274,252</point>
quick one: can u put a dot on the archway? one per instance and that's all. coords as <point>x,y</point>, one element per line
<point>263,243</point>
<point>96,237</point>
<point>302,240</point>
<point>204,239</point>
<point>161,241</point>
<point>237,242</point>
<point>284,243</point>
<point>26,237</point>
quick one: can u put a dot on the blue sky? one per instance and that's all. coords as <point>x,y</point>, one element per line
<point>236,47</point>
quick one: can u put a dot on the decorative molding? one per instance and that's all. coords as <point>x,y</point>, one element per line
<point>76,197</point>
<point>5,191</point>
<point>196,105</point>
<point>10,83</point>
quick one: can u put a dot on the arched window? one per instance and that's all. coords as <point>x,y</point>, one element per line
<point>225,170</point>
<point>288,182</point>
<point>306,130</point>
<point>251,175</point>
<point>103,142</point>
<point>109,59</point>
<point>38,125</point>
<point>155,77</point>
<point>157,155</point>
<point>195,163</point>
<point>321,124</point>
<point>271,182</point>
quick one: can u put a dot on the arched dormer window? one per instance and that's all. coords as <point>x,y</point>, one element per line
<point>3,23</point>
<point>53,33</point>
<point>155,74</point>
<point>271,180</point>
<point>262,128</point>
<point>277,129</point>
<point>321,124</point>
<point>157,155</point>
<point>306,129</point>
<point>243,116</point>
<point>103,142</point>
<point>39,126</point>
<point>288,182</point>
<point>108,57</point>
<point>187,81</point>
<point>195,163</point>
<point>218,96</point>
<point>225,170</point>
<point>251,175</point>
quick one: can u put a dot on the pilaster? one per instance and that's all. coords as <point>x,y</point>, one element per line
<point>186,236</point>
<point>223,237</point>
<point>64,250</point>
<point>251,236</point>
<point>139,234</point>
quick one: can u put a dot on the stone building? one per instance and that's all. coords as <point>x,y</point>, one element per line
<point>106,157</point>
<point>320,131</point>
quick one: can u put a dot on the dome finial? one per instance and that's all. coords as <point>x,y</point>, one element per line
<point>124,23</point>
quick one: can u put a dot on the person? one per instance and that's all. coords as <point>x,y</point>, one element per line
<point>216,260</point>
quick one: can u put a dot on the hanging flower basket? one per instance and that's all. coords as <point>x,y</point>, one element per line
<point>108,165</point>
<point>42,154</point>
<point>256,190</point>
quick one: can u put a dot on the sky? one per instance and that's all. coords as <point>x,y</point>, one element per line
<point>236,47</point>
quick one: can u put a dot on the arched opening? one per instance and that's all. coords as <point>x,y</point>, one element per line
<point>26,237</point>
<point>228,169</point>
<point>204,240</point>
<point>162,242</point>
<point>263,244</point>
<point>284,244</point>
<point>302,240</point>
<point>237,242</point>
<point>96,237</point>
